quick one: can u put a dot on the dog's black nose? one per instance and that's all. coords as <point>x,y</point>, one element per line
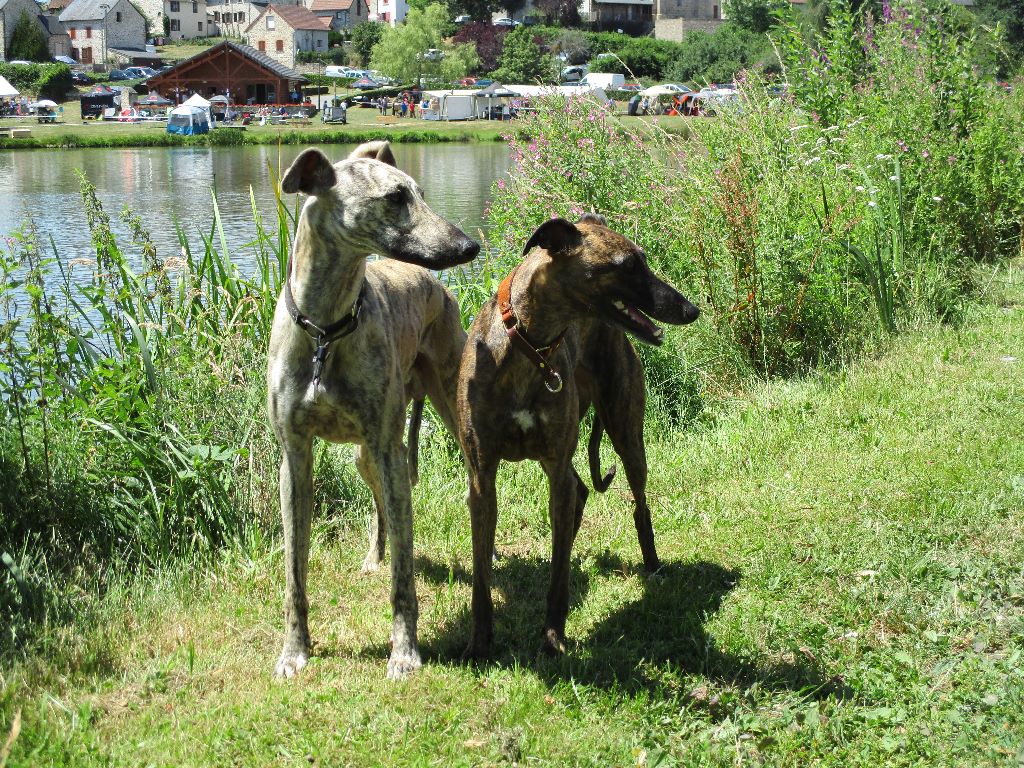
<point>470,249</point>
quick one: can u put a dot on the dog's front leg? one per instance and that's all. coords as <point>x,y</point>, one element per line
<point>483,511</point>
<point>397,496</point>
<point>378,525</point>
<point>562,511</point>
<point>296,512</point>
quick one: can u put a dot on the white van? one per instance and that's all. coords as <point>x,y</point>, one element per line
<point>335,71</point>
<point>607,80</point>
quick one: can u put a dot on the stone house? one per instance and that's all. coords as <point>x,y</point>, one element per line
<point>10,12</point>
<point>342,14</point>
<point>97,27</point>
<point>674,18</point>
<point>185,19</point>
<point>281,31</point>
<point>391,12</point>
<point>57,40</point>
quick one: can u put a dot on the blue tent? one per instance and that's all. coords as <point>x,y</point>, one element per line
<point>188,121</point>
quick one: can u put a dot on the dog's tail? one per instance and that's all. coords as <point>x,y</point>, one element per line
<point>415,418</point>
<point>594,457</point>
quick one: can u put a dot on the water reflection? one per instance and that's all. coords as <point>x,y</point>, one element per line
<point>165,186</point>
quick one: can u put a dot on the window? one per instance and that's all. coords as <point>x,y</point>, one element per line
<point>175,25</point>
<point>117,17</point>
<point>216,15</point>
<point>240,16</point>
<point>359,7</point>
<point>714,12</point>
<point>279,45</point>
<point>263,46</point>
<point>195,7</point>
<point>200,26</point>
<point>88,32</point>
<point>175,6</point>
<point>74,33</point>
<point>271,22</point>
<point>319,43</point>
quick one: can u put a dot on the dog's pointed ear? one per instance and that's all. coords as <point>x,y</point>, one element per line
<point>554,236</point>
<point>375,150</point>
<point>311,173</point>
<point>593,218</point>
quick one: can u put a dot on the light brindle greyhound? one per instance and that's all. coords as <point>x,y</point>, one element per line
<point>551,343</point>
<point>351,344</point>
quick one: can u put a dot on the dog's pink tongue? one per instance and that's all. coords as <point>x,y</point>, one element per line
<point>640,319</point>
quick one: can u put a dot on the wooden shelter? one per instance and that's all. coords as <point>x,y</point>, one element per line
<point>243,74</point>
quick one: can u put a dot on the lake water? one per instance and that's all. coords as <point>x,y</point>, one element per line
<point>164,186</point>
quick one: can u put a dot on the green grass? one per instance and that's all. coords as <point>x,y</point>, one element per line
<point>842,587</point>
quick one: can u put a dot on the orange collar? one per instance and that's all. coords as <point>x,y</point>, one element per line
<point>537,355</point>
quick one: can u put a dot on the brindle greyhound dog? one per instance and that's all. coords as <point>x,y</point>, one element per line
<point>351,344</point>
<point>547,346</point>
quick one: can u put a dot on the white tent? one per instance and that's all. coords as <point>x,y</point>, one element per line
<point>195,100</point>
<point>579,91</point>
<point>188,121</point>
<point>448,105</point>
<point>6,89</point>
<point>658,90</point>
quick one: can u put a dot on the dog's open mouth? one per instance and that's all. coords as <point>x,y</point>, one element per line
<point>637,323</point>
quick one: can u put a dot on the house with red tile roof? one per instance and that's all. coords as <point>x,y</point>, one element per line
<point>281,31</point>
<point>341,14</point>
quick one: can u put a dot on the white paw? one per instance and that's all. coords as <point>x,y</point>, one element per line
<point>370,564</point>
<point>401,665</point>
<point>291,663</point>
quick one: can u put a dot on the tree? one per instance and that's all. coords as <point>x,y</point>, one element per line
<point>28,41</point>
<point>755,15</point>
<point>364,37</point>
<point>488,40</point>
<point>478,10</point>
<point>521,60</point>
<point>400,52</point>
<point>574,44</point>
<point>564,12</point>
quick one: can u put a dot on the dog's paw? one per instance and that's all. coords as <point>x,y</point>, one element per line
<point>553,644</point>
<point>291,663</point>
<point>477,650</point>
<point>370,564</point>
<point>403,664</point>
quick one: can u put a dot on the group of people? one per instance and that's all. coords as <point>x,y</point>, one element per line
<point>14,107</point>
<point>400,106</point>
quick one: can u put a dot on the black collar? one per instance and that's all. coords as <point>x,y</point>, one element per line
<point>323,336</point>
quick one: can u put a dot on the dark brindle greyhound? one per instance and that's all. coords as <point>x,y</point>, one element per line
<point>550,344</point>
<point>351,344</point>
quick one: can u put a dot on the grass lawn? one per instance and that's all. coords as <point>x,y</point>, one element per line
<point>185,50</point>
<point>842,587</point>
<point>363,124</point>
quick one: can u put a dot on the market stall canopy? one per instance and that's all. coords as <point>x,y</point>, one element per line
<point>218,99</point>
<point>6,89</point>
<point>496,91</point>
<point>44,103</point>
<point>154,100</point>
<point>195,100</point>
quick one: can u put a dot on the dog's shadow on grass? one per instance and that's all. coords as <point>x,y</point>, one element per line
<point>629,649</point>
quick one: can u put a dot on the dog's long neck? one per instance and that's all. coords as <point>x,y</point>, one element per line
<point>538,301</point>
<point>327,271</point>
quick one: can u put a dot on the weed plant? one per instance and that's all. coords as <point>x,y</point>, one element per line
<point>806,220</point>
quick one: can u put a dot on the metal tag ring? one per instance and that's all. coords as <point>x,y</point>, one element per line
<point>558,383</point>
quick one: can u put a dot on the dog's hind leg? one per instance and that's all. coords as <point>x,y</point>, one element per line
<point>483,510</point>
<point>393,471</point>
<point>296,513</point>
<point>623,418</point>
<point>378,525</point>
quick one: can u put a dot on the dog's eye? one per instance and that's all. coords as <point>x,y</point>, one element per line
<point>397,197</point>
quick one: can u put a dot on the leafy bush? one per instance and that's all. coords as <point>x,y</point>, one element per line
<point>44,80</point>
<point>717,57</point>
<point>28,40</point>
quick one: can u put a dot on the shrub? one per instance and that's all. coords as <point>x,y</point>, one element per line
<point>28,40</point>
<point>50,80</point>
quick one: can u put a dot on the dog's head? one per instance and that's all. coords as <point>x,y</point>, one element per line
<point>366,201</point>
<point>605,275</point>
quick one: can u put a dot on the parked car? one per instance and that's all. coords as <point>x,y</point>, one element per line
<point>118,74</point>
<point>677,88</point>
<point>467,81</point>
<point>574,73</point>
<point>20,61</point>
<point>434,54</point>
<point>365,84</point>
<point>506,22</point>
<point>78,77</point>
<point>483,82</point>
<point>335,71</point>
<point>632,87</point>
<point>140,73</point>
<point>463,18</point>
<point>532,21</point>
